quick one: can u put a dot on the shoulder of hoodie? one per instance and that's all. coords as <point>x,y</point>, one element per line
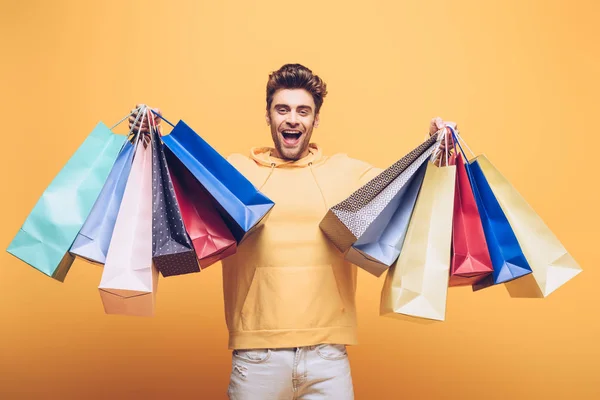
<point>348,165</point>
<point>341,161</point>
<point>241,161</point>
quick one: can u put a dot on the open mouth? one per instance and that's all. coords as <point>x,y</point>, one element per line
<point>291,137</point>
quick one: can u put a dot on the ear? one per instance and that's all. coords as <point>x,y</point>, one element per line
<point>267,117</point>
<point>316,123</point>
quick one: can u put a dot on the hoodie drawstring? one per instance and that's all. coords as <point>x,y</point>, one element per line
<point>318,186</point>
<point>268,176</point>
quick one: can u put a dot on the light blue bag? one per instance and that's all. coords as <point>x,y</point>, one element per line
<point>48,232</point>
<point>379,247</point>
<point>94,237</point>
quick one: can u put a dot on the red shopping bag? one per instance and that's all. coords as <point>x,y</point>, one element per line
<point>211,238</point>
<point>471,260</point>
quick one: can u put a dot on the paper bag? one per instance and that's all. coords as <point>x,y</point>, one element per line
<point>242,206</point>
<point>508,259</point>
<point>172,250</point>
<point>93,239</point>
<point>348,220</point>
<point>471,260</point>
<point>379,247</point>
<point>551,263</point>
<point>129,278</point>
<point>210,236</point>
<point>51,227</point>
<point>417,284</point>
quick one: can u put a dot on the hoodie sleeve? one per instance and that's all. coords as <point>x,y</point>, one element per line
<point>369,173</point>
<point>241,162</point>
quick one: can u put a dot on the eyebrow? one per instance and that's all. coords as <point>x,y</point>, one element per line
<point>286,106</point>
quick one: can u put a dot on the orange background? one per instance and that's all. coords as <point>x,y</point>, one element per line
<point>520,78</point>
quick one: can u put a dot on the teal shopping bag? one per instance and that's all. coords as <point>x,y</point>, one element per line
<point>46,235</point>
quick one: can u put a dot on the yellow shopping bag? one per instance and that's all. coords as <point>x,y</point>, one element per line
<point>551,263</point>
<point>417,284</point>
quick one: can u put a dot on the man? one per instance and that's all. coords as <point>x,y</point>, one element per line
<point>289,293</point>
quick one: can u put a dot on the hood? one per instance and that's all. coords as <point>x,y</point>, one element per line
<point>262,156</point>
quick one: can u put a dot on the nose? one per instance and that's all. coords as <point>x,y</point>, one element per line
<point>292,119</point>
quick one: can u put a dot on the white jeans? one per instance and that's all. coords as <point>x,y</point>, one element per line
<point>306,373</point>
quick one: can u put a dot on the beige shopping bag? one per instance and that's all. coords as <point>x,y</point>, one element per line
<point>417,284</point>
<point>551,263</point>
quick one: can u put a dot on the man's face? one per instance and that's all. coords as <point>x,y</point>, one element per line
<point>292,119</point>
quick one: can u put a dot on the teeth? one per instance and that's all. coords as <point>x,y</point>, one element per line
<point>292,132</point>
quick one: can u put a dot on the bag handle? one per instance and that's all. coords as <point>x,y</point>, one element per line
<point>460,139</point>
<point>161,117</point>
<point>136,110</point>
<point>442,135</point>
<point>471,178</point>
<point>139,136</point>
<point>154,132</point>
<point>127,116</point>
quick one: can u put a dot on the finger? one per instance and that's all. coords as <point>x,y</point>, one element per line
<point>439,123</point>
<point>433,126</point>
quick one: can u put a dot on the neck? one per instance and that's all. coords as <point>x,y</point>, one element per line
<point>275,153</point>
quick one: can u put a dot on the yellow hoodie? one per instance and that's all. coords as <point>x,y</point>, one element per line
<point>287,285</point>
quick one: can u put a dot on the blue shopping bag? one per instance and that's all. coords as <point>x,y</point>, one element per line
<point>51,227</point>
<point>241,204</point>
<point>508,260</point>
<point>94,237</point>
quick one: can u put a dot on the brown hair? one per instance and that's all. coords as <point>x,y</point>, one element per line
<point>296,76</point>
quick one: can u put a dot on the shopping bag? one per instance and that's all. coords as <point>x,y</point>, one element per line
<point>172,250</point>
<point>348,220</point>
<point>129,279</point>
<point>93,239</point>
<point>210,236</point>
<point>508,260</point>
<point>551,263</point>
<point>47,234</point>
<point>471,260</point>
<point>417,284</point>
<point>379,247</point>
<point>243,207</point>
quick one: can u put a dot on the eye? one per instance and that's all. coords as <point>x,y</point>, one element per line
<point>281,110</point>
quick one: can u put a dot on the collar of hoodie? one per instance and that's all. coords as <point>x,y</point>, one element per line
<point>262,156</point>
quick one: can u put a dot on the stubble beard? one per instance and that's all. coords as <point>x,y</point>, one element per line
<point>291,154</point>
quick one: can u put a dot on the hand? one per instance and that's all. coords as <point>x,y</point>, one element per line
<point>145,128</point>
<point>435,126</point>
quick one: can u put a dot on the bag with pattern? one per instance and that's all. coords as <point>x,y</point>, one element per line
<point>379,247</point>
<point>172,250</point>
<point>348,220</point>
